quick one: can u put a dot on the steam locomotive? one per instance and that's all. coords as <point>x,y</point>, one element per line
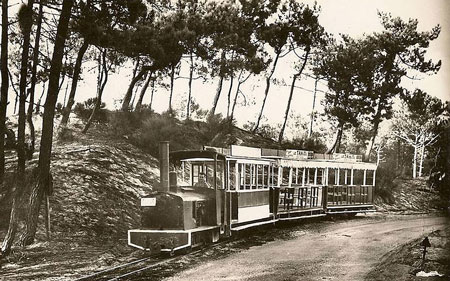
<point>215,192</point>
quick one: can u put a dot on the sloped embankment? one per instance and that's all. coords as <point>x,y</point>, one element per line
<point>405,261</point>
<point>410,196</point>
<point>97,187</point>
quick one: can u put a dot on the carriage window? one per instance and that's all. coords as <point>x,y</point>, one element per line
<point>220,175</point>
<point>311,174</point>
<point>260,178</point>
<point>247,176</point>
<point>299,175</point>
<point>266,176</point>
<point>253,169</point>
<point>358,177</point>
<point>275,176</point>
<point>241,170</point>
<point>232,176</point>
<point>369,177</point>
<point>341,177</point>
<point>184,178</point>
<point>285,176</point>
<point>349,177</point>
<point>319,179</point>
<point>332,176</point>
<point>210,174</point>
<point>293,176</point>
<point>196,169</point>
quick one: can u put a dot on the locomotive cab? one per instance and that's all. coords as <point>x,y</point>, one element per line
<point>186,210</point>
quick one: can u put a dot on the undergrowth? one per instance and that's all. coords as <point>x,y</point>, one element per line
<point>385,179</point>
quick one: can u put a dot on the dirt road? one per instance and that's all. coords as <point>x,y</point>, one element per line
<point>345,250</point>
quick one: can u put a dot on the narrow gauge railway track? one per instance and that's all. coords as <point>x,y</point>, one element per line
<point>122,271</point>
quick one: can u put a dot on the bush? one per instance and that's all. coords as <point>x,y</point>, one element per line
<point>216,127</point>
<point>264,130</point>
<point>305,143</point>
<point>385,183</point>
<point>162,128</point>
<point>440,171</point>
<point>65,135</point>
<point>125,123</point>
<point>83,110</point>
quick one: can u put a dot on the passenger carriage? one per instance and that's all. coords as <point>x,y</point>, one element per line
<point>313,184</point>
<point>213,192</point>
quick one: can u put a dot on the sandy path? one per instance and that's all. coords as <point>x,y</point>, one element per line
<point>346,250</point>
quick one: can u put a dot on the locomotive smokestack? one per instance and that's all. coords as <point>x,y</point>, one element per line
<point>164,165</point>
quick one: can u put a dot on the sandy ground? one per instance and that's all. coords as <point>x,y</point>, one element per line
<point>404,262</point>
<point>341,251</point>
<point>314,249</point>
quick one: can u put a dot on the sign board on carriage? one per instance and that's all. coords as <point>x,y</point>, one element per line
<point>299,154</point>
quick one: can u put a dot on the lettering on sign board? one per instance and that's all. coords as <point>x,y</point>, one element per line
<point>148,202</point>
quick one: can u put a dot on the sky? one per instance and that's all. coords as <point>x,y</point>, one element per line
<point>352,17</point>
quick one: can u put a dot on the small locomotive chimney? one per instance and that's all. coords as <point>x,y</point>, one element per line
<point>164,165</point>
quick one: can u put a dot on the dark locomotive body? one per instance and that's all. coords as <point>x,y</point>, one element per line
<point>214,192</point>
<point>175,220</point>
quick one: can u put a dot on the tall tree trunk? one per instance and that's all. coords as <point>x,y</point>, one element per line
<point>151,97</point>
<point>133,98</point>
<point>288,107</point>
<point>240,82</point>
<point>414,172</point>
<point>136,67</point>
<point>135,71</point>
<point>73,88</point>
<point>379,154</point>
<point>26,24</point>
<point>217,96</point>
<point>38,104</point>
<point>16,100</point>
<point>266,91</point>
<point>4,86</point>
<point>337,140</point>
<point>12,228</point>
<point>16,195</point>
<point>374,131</point>
<point>143,90</point>
<point>102,83</point>
<point>229,96</point>
<point>422,157</point>
<point>129,93</point>
<point>312,110</point>
<point>338,145</point>
<point>43,182</point>
<point>172,77</point>
<point>191,77</point>
<point>65,94</point>
<point>33,77</point>
<point>416,147</point>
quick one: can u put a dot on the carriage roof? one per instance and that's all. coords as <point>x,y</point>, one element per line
<point>287,158</point>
